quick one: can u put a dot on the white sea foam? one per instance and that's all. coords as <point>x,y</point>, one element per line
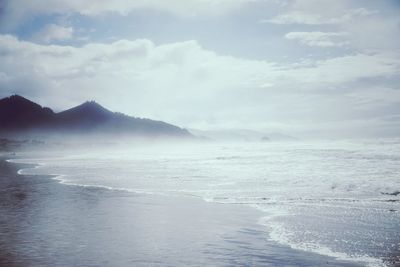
<point>279,233</point>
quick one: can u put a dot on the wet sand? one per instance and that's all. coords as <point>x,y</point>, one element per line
<point>45,223</point>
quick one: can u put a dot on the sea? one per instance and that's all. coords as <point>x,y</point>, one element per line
<point>335,198</point>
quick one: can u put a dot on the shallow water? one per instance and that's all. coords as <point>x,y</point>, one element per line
<point>334,198</point>
<point>45,223</point>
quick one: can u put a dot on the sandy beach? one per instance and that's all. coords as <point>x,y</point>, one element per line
<point>45,223</point>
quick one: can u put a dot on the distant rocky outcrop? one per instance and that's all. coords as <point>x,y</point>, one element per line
<point>265,139</point>
<point>241,135</point>
<point>19,115</point>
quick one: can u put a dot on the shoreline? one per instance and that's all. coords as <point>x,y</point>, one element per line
<point>179,210</point>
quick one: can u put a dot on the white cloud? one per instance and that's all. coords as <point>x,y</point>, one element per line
<point>322,39</point>
<point>320,17</point>
<point>346,69</point>
<point>186,84</point>
<point>19,9</point>
<point>54,32</point>
<point>367,28</point>
<point>297,17</point>
<point>320,12</point>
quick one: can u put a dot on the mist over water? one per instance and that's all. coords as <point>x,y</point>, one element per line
<point>334,198</point>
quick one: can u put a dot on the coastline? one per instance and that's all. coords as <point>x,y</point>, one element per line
<point>48,223</point>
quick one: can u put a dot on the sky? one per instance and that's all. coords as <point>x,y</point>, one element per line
<point>302,67</point>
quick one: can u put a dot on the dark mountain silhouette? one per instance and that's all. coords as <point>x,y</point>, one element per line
<point>88,115</point>
<point>22,116</point>
<point>18,113</point>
